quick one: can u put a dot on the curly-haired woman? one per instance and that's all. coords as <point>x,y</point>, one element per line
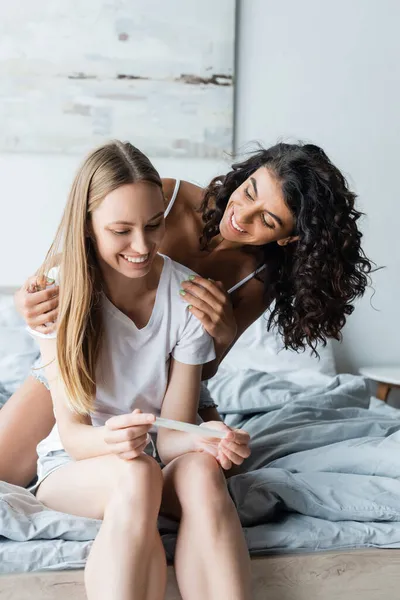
<point>279,229</point>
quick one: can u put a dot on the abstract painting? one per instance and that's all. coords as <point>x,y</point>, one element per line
<point>156,73</point>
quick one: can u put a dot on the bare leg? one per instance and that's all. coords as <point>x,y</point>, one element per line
<point>25,420</point>
<point>211,559</point>
<point>128,548</point>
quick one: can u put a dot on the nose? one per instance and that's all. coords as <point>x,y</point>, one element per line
<point>140,244</point>
<point>245,214</point>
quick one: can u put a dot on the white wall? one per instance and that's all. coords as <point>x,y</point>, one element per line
<point>329,72</point>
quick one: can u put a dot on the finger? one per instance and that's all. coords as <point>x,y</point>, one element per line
<point>130,420</point>
<point>200,297</point>
<point>126,435</point>
<point>120,448</point>
<point>128,442</point>
<point>34,299</point>
<point>31,280</point>
<point>43,319</point>
<point>45,307</point>
<point>239,449</point>
<point>240,436</point>
<point>232,456</point>
<point>33,287</point>
<point>215,288</point>
<point>133,453</point>
<point>34,283</point>
<point>224,461</point>
<point>203,318</point>
<point>50,317</point>
<point>200,304</point>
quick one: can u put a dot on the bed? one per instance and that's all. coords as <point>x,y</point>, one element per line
<point>319,500</point>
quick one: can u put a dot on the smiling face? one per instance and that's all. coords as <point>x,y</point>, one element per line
<point>128,228</point>
<point>256,213</point>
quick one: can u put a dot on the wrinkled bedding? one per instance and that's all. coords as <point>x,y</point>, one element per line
<point>323,475</point>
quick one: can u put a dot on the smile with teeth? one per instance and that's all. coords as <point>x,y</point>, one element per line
<point>235,225</point>
<point>136,259</point>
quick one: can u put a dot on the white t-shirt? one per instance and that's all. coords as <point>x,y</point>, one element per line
<point>133,364</point>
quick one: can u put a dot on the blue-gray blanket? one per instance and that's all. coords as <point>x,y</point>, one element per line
<point>323,474</point>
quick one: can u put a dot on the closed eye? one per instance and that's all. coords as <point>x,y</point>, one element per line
<point>120,232</point>
<point>155,225</point>
<point>266,224</point>
<point>246,191</point>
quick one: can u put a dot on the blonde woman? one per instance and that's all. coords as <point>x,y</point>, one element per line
<point>127,349</point>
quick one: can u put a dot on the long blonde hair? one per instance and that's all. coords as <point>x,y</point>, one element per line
<point>79,326</point>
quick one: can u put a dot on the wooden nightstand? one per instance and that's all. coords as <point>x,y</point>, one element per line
<point>387,378</point>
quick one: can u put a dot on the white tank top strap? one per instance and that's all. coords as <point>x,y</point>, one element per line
<point>173,198</point>
<point>246,279</point>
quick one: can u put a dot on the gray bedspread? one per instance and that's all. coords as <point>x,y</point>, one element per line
<point>323,474</point>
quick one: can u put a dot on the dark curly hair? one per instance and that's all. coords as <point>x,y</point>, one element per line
<point>315,280</point>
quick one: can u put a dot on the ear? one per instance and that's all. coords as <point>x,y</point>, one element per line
<point>288,240</point>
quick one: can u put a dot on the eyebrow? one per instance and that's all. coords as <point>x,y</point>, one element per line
<point>157,216</point>
<point>254,182</point>
<point>277,219</point>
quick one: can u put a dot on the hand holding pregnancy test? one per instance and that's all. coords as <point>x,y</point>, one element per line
<point>228,446</point>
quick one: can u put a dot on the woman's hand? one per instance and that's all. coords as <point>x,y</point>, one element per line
<point>127,435</point>
<point>232,450</point>
<point>38,305</point>
<point>209,302</point>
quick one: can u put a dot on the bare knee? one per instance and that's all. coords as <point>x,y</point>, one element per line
<point>25,419</point>
<point>137,487</point>
<point>200,484</point>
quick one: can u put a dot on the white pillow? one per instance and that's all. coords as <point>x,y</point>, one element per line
<point>262,350</point>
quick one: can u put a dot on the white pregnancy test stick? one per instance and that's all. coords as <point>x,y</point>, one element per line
<point>189,428</point>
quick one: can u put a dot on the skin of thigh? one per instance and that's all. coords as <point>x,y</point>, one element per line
<point>25,420</point>
<point>84,487</point>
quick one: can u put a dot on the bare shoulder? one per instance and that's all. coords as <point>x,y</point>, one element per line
<point>249,303</point>
<point>189,194</point>
<point>252,293</point>
<point>192,193</point>
<point>168,186</point>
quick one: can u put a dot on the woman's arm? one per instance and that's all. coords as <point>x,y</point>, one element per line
<point>180,403</point>
<point>80,438</point>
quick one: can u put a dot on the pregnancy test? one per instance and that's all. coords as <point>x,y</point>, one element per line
<point>189,428</point>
